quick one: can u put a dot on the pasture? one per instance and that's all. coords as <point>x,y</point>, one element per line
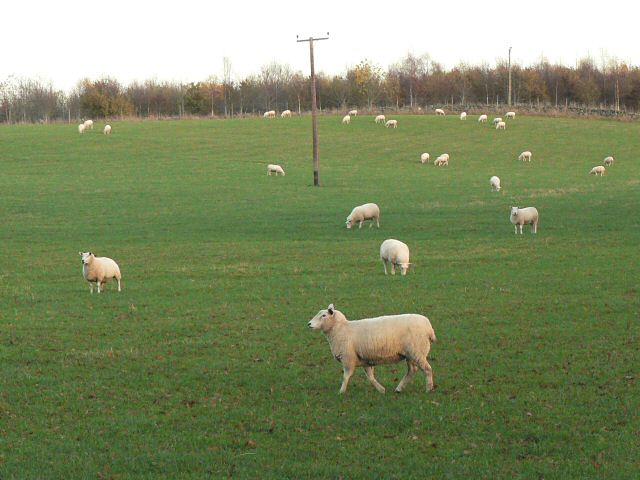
<point>204,365</point>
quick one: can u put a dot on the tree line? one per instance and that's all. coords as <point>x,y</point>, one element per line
<point>416,81</point>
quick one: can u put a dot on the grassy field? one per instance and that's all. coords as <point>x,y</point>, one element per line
<point>203,367</point>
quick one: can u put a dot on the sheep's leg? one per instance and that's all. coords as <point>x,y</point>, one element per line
<point>384,264</point>
<point>516,227</point>
<point>119,289</point>
<point>393,268</point>
<point>412,368</point>
<point>361,222</point>
<point>372,379</point>
<point>378,221</point>
<point>348,372</point>
<point>371,224</point>
<point>521,228</point>
<point>98,285</point>
<point>428,372</point>
<point>91,287</point>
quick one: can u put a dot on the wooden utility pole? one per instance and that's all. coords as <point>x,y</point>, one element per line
<point>314,108</point>
<point>509,99</point>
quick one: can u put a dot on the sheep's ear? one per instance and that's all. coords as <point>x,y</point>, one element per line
<point>330,309</point>
<point>80,253</point>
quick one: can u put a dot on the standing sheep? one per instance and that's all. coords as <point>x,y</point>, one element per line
<point>391,123</point>
<point>286,114</point>
<point>81,128</point>
<point>375,341</point>
<point>346,120</point>
<point>271,168</point>
<point>380,119</point>
<point>353,113</point>
<point>482,118</point>
<point>396,253</point>
<point>463,116</point>
<point>270,114</point>
<point>525,156</point>
<point>599,170</point>
<point>440,112</point>
<point>99,270</point>
<point>497,120</point>
<point>107,129</point>
<point>608,161</point>
<point>524,216</point>
<point>495,183</point>
<point>510,115</point>
<point>501,126</point>
<point>88,124</point>
<point>424,158</point>
<point>440,161</point>
<point>361,213</point>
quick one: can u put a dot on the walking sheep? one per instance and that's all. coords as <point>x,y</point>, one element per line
<point>495,183</point>
<point>525,156</point>
<point>361,213</point>
<point>395,253</point>
<point>99,270</point>
<point>424,158</point>
<point>271,168</point>
<point>599,170</point>
<point>524,216</point>
<point>608,161</point>
<point>375,341</point>
<point>380,119</point>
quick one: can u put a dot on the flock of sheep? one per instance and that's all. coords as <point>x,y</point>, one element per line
<point>88,125</point>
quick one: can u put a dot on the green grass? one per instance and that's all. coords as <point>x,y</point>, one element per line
<point>204,366</point>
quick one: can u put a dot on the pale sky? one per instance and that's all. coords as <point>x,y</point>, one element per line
<point>64,41</point>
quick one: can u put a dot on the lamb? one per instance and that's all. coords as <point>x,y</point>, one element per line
<point>353,113</point>
<point>525,156</point>
<point>424,158</point>
<point>439,111</point>
<point>510,115</point>
<point>269,114</point>
<point>380,119</point>
<point>88,124</point>
<point>497,120</point>
<point>391,123</point>
<point>495,183</point>
<point>375,341</point>
<point>599,170</point>
<point>501,126</point>
<point>396,253</point>
<point>81,128</point>
<point>524,216</point>
<point>482,118</point>
<point>107,129</point>
<point>99,270</point>
<point>361,213</point>
<point>271,168</point>
<point>346,120</point>
<point>608,161</point>
<point>286,114</point>
<point>463,116</point>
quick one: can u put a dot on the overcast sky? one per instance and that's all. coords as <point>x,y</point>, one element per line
<point>185,40</point>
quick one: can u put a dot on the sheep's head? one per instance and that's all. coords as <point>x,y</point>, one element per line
<point>87,257</point>
<point>404,267</point>
<point>514,211</point>
<point>326,319</point>
<point>349,222</point>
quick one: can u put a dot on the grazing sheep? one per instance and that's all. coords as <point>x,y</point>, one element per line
<point>270,114</point>
<point>396,253</point>
<point>353,113</point>
<point>391,123</point>
<point>361,213</point>
<point>599,170</point>
<point>510,115</point>
<point>608,161</point>
<point>88,124</point>
<point>482,118</point>
<point>439,111</point>
<point>81,128</point>
<point>495,183</point>
<point>424,158</point>
<point>107,129</point>
<point>440,161</point>
<point>346,120</point>
<point>99,270</point>
<point>380,119</point>
<point>501,126</point>
<point>271,168</point>
<point>524,216</point>
<point>497,120</point>
<point>286,114</point>
<point>463,116</point>
<point>375,341</point>
<point>525,156</point>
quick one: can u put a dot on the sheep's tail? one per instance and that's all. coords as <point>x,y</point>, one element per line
<point>432,336</point>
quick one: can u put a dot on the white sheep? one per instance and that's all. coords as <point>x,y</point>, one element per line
<point>607,162</point>
<point>463,116</point>
<point>525,156</point>
<point>361,213</point>
<point>599,170</point>
<point>391,123</point>
<point>424,158</point>
<point>81,128</point>
<point>375,341</point>
<point>353,113</point>
<point>99,270</point>
<point>441,161</point>
<point>495,183</point>
<point>271,168</point>
<point>482,118</point>
<point>107,129</point>
<point>346,120</point>
<point>524,216</point>
<point>439,111</point>
<point>395,253</point>
<point>497,120</point>
<point>501,126</point>
<point>286,114</point>
<point>380,119</point>
<point>88,124</point>
<point>510,115</point>
<point>269,114</point>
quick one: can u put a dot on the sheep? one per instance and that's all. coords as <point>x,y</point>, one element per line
<point>81,128</point>
<point>353,113</point>
<point>524,216</point>
<point>608,161</point>
<point>440,161</point>
<point>424,158</point>
<point>380,119</point>
<point>495,183</point>
<point>107,129</point>
<point>391,123</point>
<point>501,126</point>
<point>271,168</point>
<point>375,341</point>
<point>525,156</point>
<point>346,120</point>
<point>497,120</point>
<point>396,253</point>
<point>99,270</point>
<point>88,124</point>
<point>361,213</point>
<point>510,115</point>
<point>439,111</point>
<point>270,114</point>
<point>597,170</point>
<point>482,118</point>
<point>463,116</point>
<point>286,114</point>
